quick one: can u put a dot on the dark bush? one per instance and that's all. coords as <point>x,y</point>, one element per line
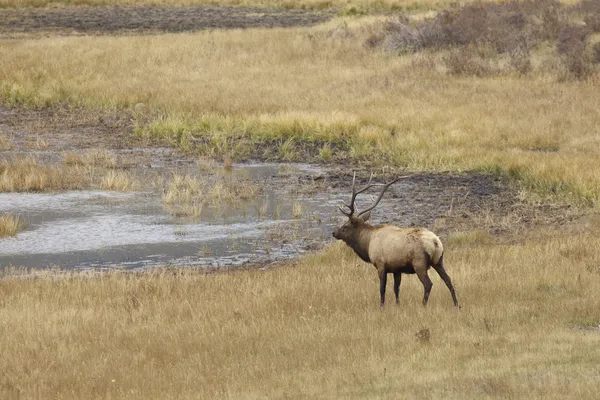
<point>596,53</point>
<point>505,26</point>
<point>591,7</point>
<point>520,62</point>
<point>467,61</point>
<point>593,22</point>
<point>509,31</point>
<point>590,10</point>
<point>572,40</point>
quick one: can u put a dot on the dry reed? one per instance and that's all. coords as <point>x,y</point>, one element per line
<point>9,225</point>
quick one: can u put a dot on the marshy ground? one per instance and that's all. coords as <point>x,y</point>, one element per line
<point>147,19</point>
<point>117,116</point>
<point>205,210</point>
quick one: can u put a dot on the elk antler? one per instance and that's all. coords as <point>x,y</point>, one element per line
<point>354,194</point>
<point>385,186</point>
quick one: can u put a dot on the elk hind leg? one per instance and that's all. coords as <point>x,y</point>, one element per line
<point>427,284</point>
<point>439,267</point>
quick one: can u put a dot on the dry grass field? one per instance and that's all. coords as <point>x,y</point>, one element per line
<point>324,85</point>
<point>529,328</point>
<point>312,328</point>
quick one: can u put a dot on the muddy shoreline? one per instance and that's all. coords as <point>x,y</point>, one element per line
<point>147,19</point>
<point>444,202</point>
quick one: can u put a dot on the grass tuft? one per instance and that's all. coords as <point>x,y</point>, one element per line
<point>26,175</point>
<point>5,143</point>
<point>297,210</point>
<point>10,225</point>
<point>117,180</point>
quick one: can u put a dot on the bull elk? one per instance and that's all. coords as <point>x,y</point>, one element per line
<point>392,249</point>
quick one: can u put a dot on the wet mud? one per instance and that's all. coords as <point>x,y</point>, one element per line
<point>77,20</point>
<point>91,229</point>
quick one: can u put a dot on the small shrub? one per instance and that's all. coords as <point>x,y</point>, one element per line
<point>571,46</point>
<point>592,22</point>
<point>521,63</point>
<point>233,192</point>
<point>596,53</point>
<point>402,37</point>
<point>353,11</point>
<point>591,10</point>
<point>466,61</point>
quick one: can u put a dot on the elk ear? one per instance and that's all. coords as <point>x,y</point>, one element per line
<point>366,217</point>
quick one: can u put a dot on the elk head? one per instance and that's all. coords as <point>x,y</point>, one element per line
<point>357,219</point>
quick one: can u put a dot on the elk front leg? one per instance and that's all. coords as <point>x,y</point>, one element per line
<point>397,278</point>
<point>382,284</point>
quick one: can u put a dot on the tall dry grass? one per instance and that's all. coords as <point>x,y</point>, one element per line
<point>528,329</point>
<point>27,174</point>
<point>9,225</point>
<point>118,181</point>
<point>323,85</point>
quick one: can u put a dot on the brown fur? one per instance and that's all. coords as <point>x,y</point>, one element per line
<point>396,250</point>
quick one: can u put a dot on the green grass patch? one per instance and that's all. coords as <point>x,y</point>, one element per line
<point>275,139</point>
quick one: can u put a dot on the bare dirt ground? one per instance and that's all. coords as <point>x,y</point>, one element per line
<point>76,20</point>
<point>63,129</point>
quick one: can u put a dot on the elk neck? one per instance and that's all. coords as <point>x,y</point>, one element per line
<point>360,241</point>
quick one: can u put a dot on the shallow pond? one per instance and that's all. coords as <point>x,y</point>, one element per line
<point>97,229</point>
<point>283,210</point>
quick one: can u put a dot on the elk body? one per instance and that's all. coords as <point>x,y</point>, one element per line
<point>392,249</point>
